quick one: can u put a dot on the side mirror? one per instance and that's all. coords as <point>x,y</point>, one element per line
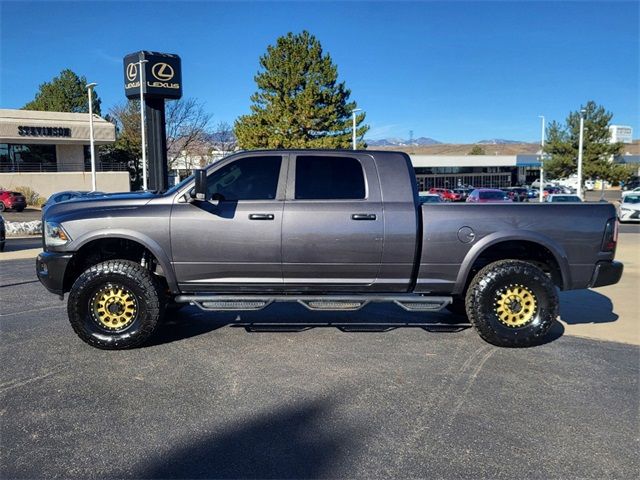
<point>201,184</point>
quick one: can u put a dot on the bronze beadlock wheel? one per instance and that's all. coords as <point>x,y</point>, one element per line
<point>515,306</point>
<point>114,307</point>
<point>512,303</point>
<point>115,304</point>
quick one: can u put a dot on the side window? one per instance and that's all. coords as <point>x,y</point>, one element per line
<point>251,178</point>
<point>329,178</point>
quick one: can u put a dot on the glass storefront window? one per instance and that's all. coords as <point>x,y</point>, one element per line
<point>27,158</point>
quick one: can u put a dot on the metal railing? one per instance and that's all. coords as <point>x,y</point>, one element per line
<point>39,167</point>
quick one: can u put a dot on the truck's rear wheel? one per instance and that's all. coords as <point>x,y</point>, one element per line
<point>512,303</point>
<point>115,305</point>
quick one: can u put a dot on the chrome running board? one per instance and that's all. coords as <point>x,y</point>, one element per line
<point>343,303</point>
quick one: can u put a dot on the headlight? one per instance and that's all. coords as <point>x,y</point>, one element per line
<point>625,210</point>
<point>54,235</point>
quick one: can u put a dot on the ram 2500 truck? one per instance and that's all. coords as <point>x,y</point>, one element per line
<point>333,230</point>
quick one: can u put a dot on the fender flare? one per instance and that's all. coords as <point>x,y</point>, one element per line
<point>144,240</point>
<point>495,238</point>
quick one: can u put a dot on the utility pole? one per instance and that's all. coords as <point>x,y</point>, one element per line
<point>91,139</point>
<point>580,145</point>
<point>541,195</point>
<point>353,129</point>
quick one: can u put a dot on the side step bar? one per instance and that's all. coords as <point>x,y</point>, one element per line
<point>344,303</point>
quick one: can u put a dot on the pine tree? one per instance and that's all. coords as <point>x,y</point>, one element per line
<point>299,102</point>
<point>563,141</point>
<point>64,93</point>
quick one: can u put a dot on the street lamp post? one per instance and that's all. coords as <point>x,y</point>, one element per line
<point>580,145</point>
<point>91,139</point>
<point>541,193</point>
<point>353,129</point>
<point>142,124</point>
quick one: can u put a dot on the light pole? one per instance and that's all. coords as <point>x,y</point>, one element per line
<point>142,124</point>
<point>353,114</point>
<point>580,145</point>
<point>541,196</point>
<point>91,140</point>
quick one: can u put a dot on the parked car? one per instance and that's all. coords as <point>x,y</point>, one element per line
<point>12,201</point>
<point>446,194</point>
<point>551,191</point>
<point>2,234</point>
<point>562,198</point>
<point>533,193</point>
<point>629,210</point>
<point>632,184</point>
<point>635,191</point>
<point>463,192</point>
<point>259,227</point>
<point>589,185</point>
<point>70,195</point>
<point>517,194</point>
<point>488,195</point>
<point>429,198</point>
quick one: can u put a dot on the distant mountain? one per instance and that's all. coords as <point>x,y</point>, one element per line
<point>498,141</point>
<point>386,142</point>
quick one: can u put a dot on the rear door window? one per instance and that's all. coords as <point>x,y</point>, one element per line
<point>329,178</point>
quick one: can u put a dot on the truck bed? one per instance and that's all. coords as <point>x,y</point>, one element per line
<point>455,235</point>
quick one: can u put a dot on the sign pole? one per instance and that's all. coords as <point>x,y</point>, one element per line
<point>94,186</point>
<point>152,78</point>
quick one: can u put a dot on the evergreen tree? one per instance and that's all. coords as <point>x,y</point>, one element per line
<point>299,102</point>
<point>563,141</point>
<point>64,93</point>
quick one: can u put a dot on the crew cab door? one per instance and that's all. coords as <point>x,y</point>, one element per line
<point>333,226</point>
<point>236,243</point>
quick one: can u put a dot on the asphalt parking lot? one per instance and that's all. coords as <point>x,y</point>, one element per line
<point>375,394</point>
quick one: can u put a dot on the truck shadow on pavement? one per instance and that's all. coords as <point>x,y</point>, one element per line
<point>586,306</point>
<point>299,441</point>
<point>190,321</point>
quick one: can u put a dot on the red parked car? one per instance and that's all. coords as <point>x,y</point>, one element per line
<point>12,201</point>
<point>488,195</point>
<point>446,194</point>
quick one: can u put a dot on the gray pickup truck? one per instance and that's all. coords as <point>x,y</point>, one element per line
<point>332,230</point>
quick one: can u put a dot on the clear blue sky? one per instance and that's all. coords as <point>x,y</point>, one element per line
<point>454,71</point>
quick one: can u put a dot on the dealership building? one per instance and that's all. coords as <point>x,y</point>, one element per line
<point>49,152</point>
<point>480,171</point>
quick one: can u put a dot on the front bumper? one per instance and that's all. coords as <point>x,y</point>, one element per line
<point>606,273</point>
<point>50,268</point>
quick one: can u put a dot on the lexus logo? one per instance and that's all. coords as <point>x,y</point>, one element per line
<point>132,72</point>
<point>162,71</point>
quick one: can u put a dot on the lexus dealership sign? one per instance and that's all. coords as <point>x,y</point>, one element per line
<point>161,75</point>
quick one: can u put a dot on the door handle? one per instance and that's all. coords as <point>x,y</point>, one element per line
<point>261,216</point>
<point>363,216</point>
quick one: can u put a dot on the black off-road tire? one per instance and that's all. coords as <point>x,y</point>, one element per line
<point>3,207</point>
<point>134,277</point>
<point>490,282</point>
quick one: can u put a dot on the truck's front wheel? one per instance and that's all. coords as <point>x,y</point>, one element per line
<point>512,303</point>
<point>115,305</point>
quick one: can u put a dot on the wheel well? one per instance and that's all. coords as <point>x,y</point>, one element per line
<point>528,251</point>
<point>105,249</point>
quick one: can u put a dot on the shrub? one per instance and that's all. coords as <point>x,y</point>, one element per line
<point>32,197</point>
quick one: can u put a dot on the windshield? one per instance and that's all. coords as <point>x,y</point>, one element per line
<point>430,199</point>
<point>634,199</point>
<point>492,195</point>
